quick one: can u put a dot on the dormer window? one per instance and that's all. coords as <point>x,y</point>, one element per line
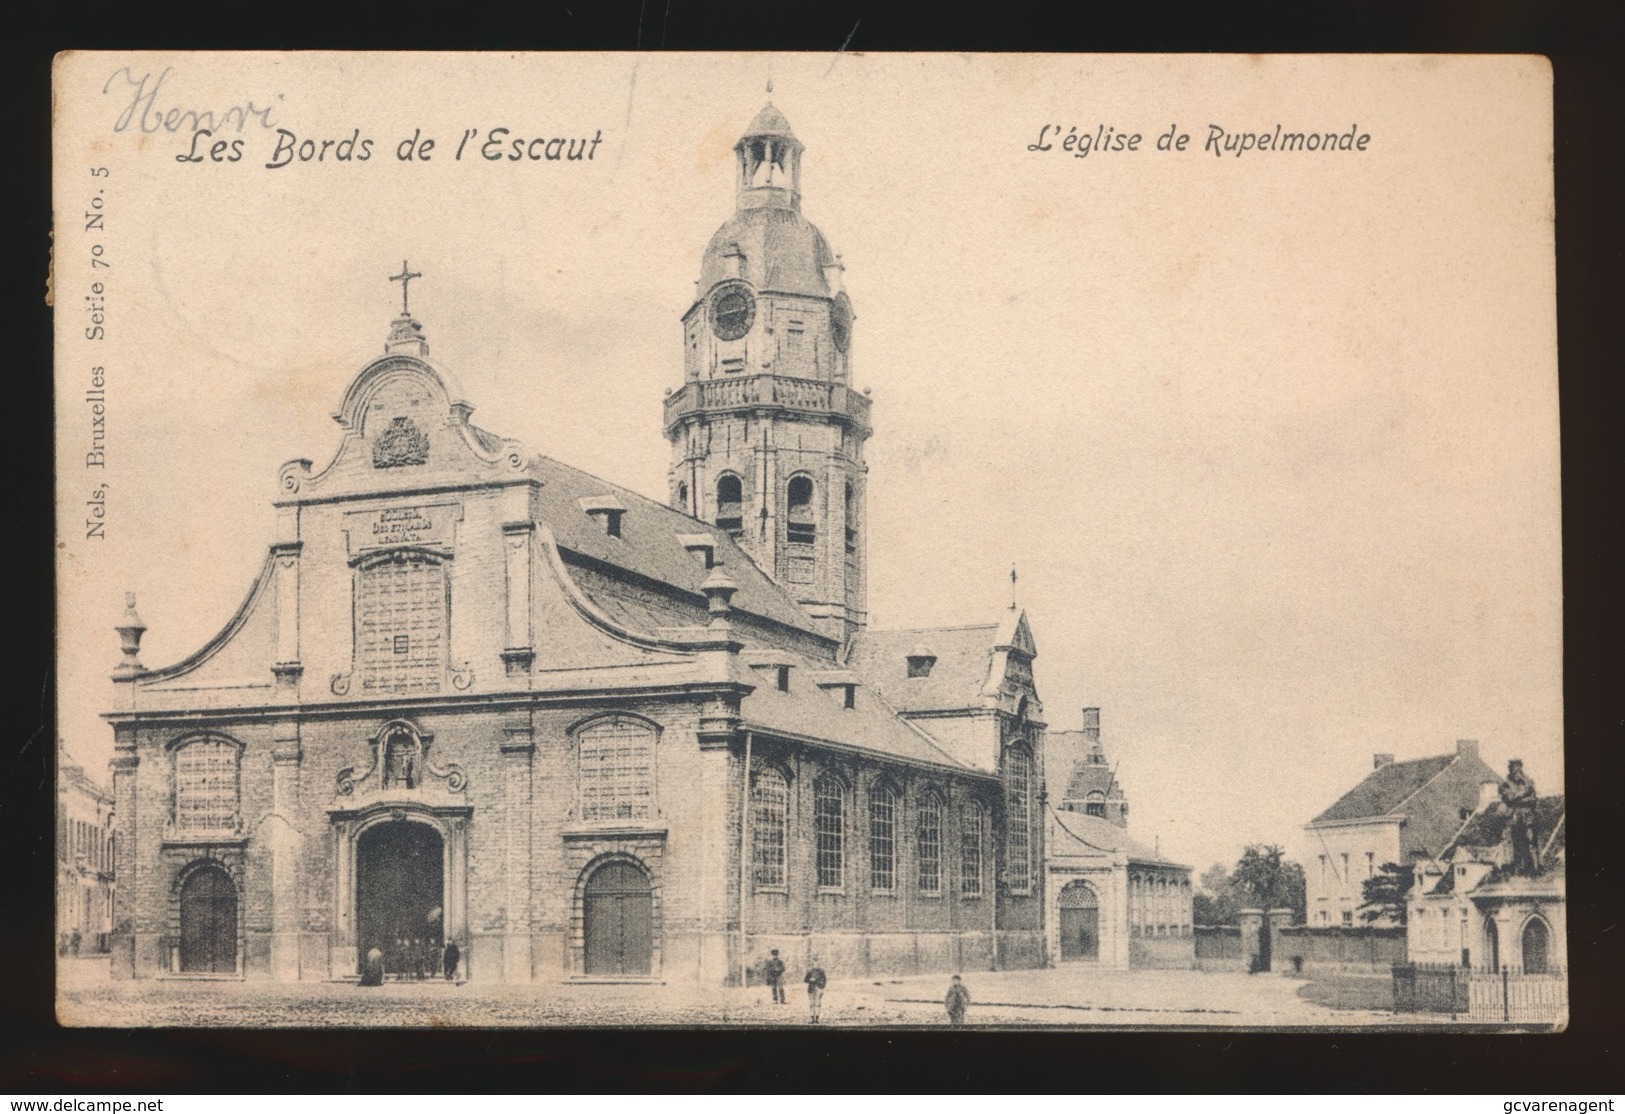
<point>841,686</point>
<point>702,547</point>
<point>784,678</point>
<point>919,665</point>
<point>606,511</point>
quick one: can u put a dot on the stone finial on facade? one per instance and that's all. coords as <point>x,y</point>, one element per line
<point>129,634</point>
<point>719,589</point>
<point>406,336</point>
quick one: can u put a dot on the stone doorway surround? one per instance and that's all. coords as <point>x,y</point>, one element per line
<point>451,822</point>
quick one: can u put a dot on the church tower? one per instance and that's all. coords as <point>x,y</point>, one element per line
<point>766,431</point>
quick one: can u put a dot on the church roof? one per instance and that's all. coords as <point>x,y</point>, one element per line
<point>782,251</point>
<point>808,711</point>
<point>959,678</point>
<point>1094,834</point>
<point>1384,789</point>
<point>651,548</point>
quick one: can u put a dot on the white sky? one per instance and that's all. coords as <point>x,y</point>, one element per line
<point>1271,440</point>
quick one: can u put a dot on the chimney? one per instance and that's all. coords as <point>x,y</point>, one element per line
<point>1467,748</point>
<point>1091,724</point>
<point>1378,761</point>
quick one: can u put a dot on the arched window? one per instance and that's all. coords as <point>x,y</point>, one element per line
<point>799,526</point>
<point>617,770</point>
<point>682,496</point>
<point>401,619</point>
<point>1535,947</point>
<point>928,843</point>
<point>730,505</point>
<point>206,786</point>
<point>769,818</point>
<point>1018,818</point>
<point>882,838</point>
<point>1095,805</point>
<point>970,850</point>
<point>851,521</point>
<point>829,831</point>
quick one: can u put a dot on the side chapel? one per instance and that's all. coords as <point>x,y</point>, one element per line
<point>476,695</point>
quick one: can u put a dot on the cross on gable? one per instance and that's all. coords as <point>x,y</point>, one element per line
<point>405,279</point>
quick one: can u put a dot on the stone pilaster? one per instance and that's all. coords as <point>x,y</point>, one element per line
<point>286,845</point>
<point>286,667</point>
<point>518,648</point>
<point>125,867</point>
<point>518,751</point>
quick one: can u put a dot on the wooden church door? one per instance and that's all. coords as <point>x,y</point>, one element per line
<point>619,921</point>
<point>1080,922</point>
<point>209,922</point>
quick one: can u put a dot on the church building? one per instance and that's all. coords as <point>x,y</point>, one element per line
<point>1110,899</point>
<point>478,696</point>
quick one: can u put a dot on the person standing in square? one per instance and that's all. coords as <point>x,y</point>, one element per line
<point>773,972</point>
<point>816,982</point>
<point>957,1001</point>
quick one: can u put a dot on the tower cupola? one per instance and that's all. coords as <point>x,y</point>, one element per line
<point>769,158</point>
<point>767,433</point>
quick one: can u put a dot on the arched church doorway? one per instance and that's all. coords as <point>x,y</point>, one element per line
<point>618,910</point>
<point>1080,922</point>
<point>1535,941</point>
<point>400,896</point>
<point>209,922</point>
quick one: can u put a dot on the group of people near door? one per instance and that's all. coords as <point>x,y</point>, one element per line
<point>413,959</point>
<point>956,1001</point>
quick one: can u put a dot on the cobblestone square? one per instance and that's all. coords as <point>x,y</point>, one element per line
<point>1070,996</point>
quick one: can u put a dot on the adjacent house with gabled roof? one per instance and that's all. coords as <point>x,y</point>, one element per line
<point>1471,907</point>
<point>1401,812</point>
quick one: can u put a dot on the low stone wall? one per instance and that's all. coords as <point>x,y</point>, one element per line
<point>1167,952</point>
<point>1363,948</point>
<point>1218,947</point>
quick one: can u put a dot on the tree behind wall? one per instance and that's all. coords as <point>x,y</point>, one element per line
<point>1382,896</point>
<point>1265,879</point>
<point>1215,900</point>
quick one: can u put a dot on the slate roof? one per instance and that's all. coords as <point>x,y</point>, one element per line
<point>1095,833</point>
<point>1385,789</point>
<point>783,251</point>
<point>648,579</point>
<point>958,679</point>
<point>769,121</point>
<point>649,545</point>
<point>807,711</point>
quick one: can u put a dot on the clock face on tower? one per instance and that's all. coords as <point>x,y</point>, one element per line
<point>840,321</point>
<point>733,309</point>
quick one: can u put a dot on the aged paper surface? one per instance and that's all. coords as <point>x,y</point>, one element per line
<point>807,527</point>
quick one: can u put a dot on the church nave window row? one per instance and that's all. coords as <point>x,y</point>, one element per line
<point>882,820</point>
